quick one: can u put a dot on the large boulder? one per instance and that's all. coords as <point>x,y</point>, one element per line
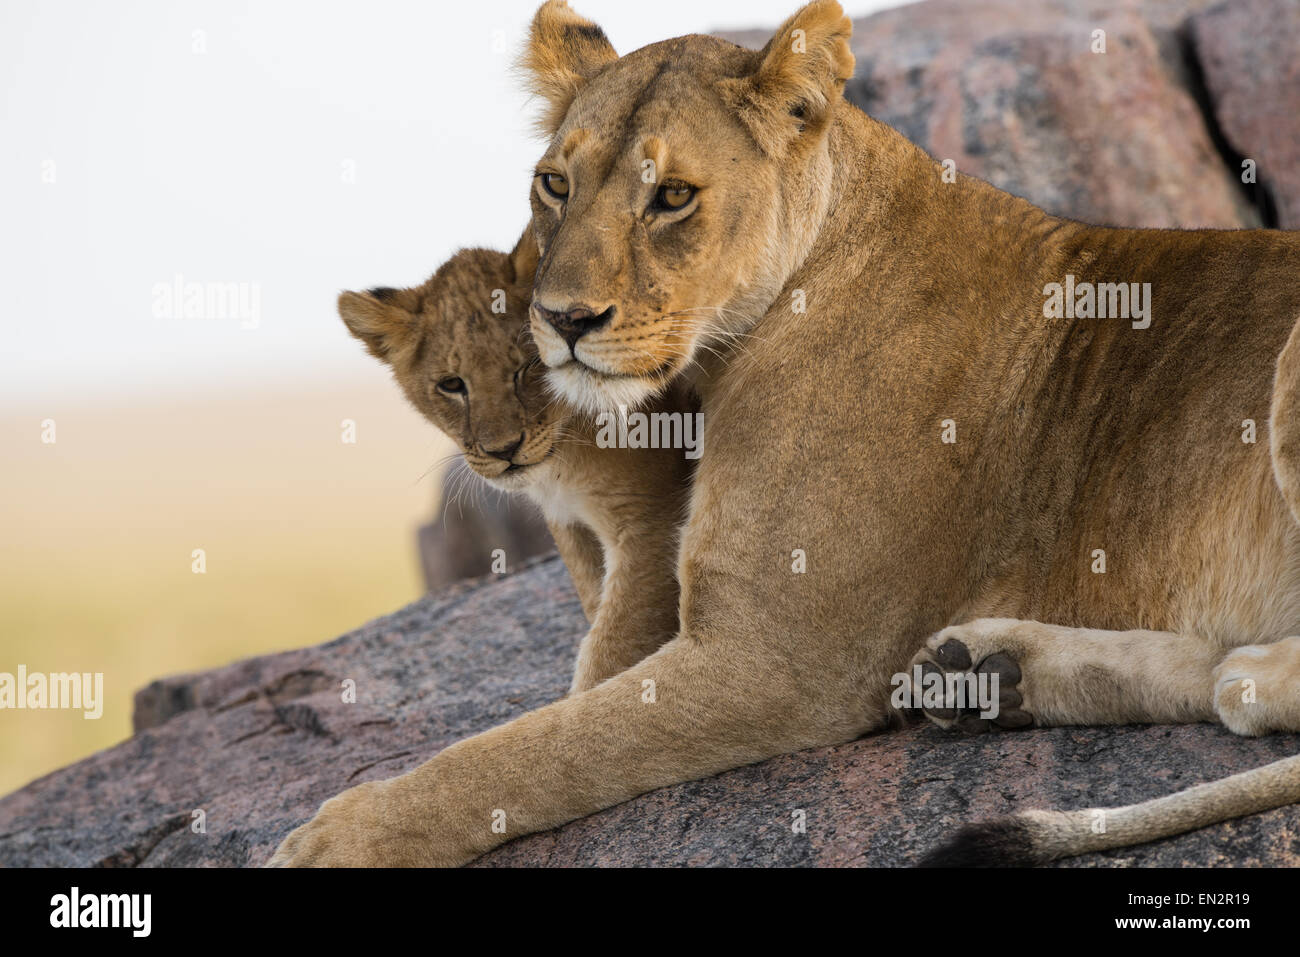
<point>1249,54</point>
<point>257,746</point>
<point>1012,92</point>
<point>472,524</point>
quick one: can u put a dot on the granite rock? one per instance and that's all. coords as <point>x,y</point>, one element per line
<point>1249,51</point>
<point>1012,92</point>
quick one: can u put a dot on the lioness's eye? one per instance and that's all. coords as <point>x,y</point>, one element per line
<point>451,385</point>
<point>674,196</point>
<point>556,185</point>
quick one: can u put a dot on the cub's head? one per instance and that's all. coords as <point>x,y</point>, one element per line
<point>683,185</point>
<point>458,347</point>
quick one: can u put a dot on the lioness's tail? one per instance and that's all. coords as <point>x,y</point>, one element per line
<point>1034,837</point>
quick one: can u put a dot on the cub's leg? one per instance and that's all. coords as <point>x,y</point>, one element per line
<point>638,609</point>
<point>1054,675</point>
<point>583,557</point>
<point>1257,688</point>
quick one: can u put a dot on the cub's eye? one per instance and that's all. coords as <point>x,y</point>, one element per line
<point>673,196</point>
<point>452,385</point>
<point>556,185</point>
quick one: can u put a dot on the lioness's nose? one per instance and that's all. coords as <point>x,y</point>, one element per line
<point>575,322</point>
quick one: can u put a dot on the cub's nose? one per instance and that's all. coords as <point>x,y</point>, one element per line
<point>572,324</point>
<point>506,452</point>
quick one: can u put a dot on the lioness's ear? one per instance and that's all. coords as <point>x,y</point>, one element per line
<point>799,79</point>
<point>378,319</point>
<point>564,51</point>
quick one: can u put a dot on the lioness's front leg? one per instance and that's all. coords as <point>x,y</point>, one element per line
<point>1054,675</point>
<point>697,707</point>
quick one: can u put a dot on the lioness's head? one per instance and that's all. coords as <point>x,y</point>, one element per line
<point>457,347</point>
<point>683,185</point>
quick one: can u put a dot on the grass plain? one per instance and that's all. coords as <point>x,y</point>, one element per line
<point>305,537</point>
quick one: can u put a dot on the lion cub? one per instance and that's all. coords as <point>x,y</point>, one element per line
<point>459,348</point>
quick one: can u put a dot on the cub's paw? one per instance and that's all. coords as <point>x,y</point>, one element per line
<point>967,677</point>
<point>1257,688</point>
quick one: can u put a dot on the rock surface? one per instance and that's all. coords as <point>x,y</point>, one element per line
<point>470,522</point>
<point>1249,51</point>
<point>257,746</point>
<point>1012,92</point>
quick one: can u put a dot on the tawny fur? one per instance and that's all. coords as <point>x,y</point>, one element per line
<point>924,303</point>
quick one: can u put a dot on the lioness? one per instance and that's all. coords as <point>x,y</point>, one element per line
<point>883,390</point>
<point>457,348</point>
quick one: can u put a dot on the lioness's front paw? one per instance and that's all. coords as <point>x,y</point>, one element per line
<point>362,827</point>
<point>969,681</point>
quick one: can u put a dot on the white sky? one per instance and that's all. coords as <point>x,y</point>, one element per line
<point>228,166</point>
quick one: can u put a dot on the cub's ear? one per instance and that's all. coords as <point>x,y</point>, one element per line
<point>379,319</point>
<point>523,260</point>
<point>564,51</point>
<point>799,80</point>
